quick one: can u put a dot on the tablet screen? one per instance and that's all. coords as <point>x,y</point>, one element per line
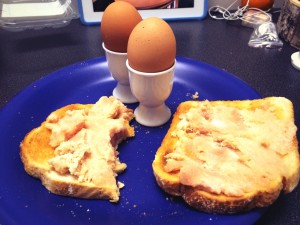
<point>91,10</point>
<point>100,5</point>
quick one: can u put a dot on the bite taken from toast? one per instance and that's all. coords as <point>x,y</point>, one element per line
<point>74,151</point>
<point>229,156</point>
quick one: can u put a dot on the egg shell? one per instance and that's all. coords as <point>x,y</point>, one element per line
<point>118,20</point>
<point>151,46</point>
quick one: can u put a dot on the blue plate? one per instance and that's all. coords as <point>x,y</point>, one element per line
<point>24,200</point>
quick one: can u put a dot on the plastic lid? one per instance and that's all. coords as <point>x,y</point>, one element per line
<point>17,15</point>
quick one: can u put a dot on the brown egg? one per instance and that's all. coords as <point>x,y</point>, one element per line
<point>118,20</point>
<point>151,46</point>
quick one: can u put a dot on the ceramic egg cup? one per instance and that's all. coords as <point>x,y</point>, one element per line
<point>117,66</point>
<point>151,90</point>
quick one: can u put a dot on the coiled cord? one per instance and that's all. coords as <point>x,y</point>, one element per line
<point>222,13</point>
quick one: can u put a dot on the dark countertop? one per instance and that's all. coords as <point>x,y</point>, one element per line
<point>29,55</point>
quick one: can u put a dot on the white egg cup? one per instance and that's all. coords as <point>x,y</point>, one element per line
<point>151,90</point>
<point>117,66</point>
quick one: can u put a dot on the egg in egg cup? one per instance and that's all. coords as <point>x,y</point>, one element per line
<point>151,90</point>
<point>117,66</point>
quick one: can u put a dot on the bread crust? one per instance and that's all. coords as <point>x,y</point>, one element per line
<point>35,153</point>
<point>200,198</point>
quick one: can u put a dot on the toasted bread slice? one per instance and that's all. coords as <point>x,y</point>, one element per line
<point>229,156</point>
<point>74,152</point>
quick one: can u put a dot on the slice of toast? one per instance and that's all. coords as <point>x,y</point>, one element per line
<point>229,156</point>
<point>74,152</point>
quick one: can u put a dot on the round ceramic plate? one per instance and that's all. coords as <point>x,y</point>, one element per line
<point>24,200</point>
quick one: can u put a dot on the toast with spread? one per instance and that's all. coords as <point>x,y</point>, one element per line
<point>229,156</point>
<point>74,151</point>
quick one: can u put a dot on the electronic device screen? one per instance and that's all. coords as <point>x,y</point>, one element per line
<point>91,10</point>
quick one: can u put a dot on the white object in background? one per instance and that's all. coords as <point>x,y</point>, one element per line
<point>151,89</point>
<point>224,3</point>
<point>295,58</point>
<point>117,66</point>
<point>34,9</point>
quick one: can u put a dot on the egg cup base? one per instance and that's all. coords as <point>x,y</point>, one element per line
<point>152,116</point>
<point>124,94</point>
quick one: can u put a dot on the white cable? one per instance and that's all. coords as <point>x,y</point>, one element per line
<point>225,14</point>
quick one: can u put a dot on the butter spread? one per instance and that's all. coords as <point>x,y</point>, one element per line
<point>222,148</point>
<point>85,141</point>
